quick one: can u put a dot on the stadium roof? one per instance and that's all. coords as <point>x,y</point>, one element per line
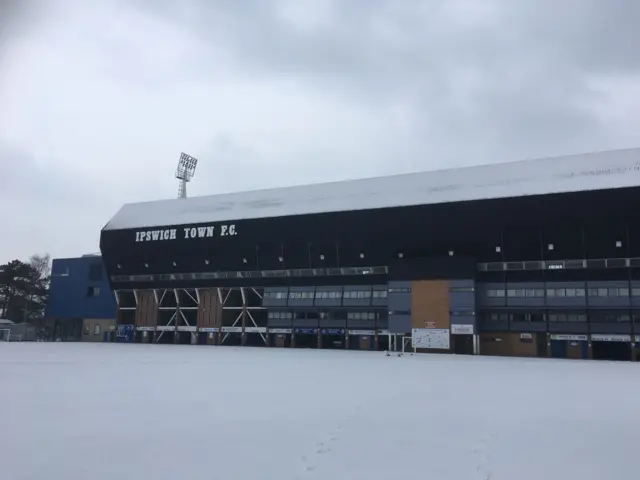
<point>592,171</point>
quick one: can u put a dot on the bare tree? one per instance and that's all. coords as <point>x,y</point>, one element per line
<point>41,264</point>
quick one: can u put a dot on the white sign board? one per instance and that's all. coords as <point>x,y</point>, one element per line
<point>145,329</point>
<point>209,330</point>
<point>437,338</point>
<point>231,329</point>
<point>570,338</point>
<point>461,329</point>
<point>280,330</point>
<point>362,332</point>
<point>187,329</point>
<point>165,328</point>
<point>611,338</point>
<point>255,329</point>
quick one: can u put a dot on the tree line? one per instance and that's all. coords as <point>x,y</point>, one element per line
<point>24,289</point>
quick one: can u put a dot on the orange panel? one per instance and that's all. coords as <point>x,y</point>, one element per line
<point>210,308</point>
<point>430,304</point>
<point>146,310</point>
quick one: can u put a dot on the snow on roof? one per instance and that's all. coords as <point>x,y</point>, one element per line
<point>4,321</point>
<point>592,171</point>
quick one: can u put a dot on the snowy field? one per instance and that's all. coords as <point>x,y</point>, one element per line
<point>111,411</point>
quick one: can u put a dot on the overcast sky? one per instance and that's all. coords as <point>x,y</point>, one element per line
<point>98,98</point>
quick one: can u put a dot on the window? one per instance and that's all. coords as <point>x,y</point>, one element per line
<point>380,294</point>
<point>358,294</point>
<point>635,291</point>
<point>609,317</point>
<point>535,317</point>
<point>567,317</point>
<point>461,289</point>
<point>300,295</point>
<point>93,291</point>
<point>462,313</point>
<point>598,292</point>
<point>399,290</point>
<point>327,295</point>
<point>516,293</point>
<point>276,295</point>
<point>96,330</point>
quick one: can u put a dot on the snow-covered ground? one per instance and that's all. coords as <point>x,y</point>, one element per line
<point>110,411</point>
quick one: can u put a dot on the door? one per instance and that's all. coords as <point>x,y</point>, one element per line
<point>462,344</point>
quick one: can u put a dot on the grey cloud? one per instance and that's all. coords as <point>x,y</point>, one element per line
<point>412,85</point>
<point>43,205</point>
<point>531,61</point>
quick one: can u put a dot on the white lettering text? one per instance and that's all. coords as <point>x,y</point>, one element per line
<point>206,231</point>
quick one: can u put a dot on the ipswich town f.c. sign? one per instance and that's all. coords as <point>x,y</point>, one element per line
<point>206,231</point>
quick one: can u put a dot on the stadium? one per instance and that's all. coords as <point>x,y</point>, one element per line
<point>529,258</point>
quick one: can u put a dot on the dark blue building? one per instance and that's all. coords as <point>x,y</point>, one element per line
<point>81,303</point>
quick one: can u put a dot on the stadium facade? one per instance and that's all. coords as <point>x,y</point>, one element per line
<point>531,258</point>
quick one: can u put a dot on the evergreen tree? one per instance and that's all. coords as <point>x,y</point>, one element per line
<point>24,287</point>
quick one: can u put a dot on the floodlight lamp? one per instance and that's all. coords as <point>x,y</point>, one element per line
<point>186,167</point>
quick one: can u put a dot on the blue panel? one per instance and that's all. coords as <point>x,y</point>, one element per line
<point>400,323</point>
<point>333,331</point>
<point>306,331</point>
<point>124,333</point>
<point>73,281</point>
<point>559,349</point>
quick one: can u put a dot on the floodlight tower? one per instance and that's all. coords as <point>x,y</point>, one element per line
<point>184,172</point>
